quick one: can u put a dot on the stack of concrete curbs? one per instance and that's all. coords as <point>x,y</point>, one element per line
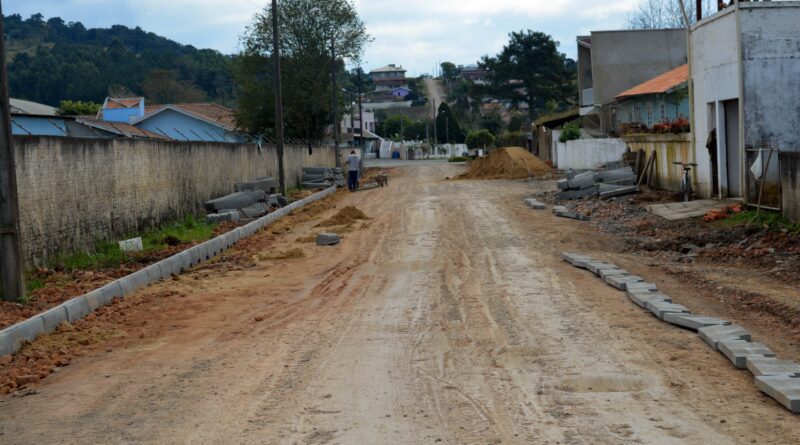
<point>322,177</point>
<point>779,379</point>
<point>12,337</point>
<point>602,183</point>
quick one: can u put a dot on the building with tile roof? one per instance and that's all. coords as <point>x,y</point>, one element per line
<point>663,98</point>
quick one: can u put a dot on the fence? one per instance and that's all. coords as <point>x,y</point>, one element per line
<point>585,154</point>
<point>74,192</point>
<point>668,148</point>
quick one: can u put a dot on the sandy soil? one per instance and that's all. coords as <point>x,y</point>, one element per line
<point>447,318</point>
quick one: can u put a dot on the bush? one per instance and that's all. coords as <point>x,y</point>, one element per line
<point>458,159</point>
<point>512,139</point>
<point>480,139</point>
<point>570,132</point>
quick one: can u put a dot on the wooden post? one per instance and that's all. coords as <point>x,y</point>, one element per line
<point>13,284</point>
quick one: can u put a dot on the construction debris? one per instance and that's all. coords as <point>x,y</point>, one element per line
<point>602,183</point>
<point>327,239</point>
<point>252,199</point>
<point>535,204</point>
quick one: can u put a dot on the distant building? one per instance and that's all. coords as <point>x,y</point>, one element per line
<point>475,74</point>
<point>19,106</point>
<point>401,92</point>
<point>207,122</point>
<point>610,62</point>
<point>388,77</point>
<point>661,99</point>
<point>124,110</point>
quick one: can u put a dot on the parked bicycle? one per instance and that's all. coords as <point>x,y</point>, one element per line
<point>686,181</point>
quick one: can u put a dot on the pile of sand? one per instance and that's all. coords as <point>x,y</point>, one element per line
<point>344,217</point>
<point>506,163</point>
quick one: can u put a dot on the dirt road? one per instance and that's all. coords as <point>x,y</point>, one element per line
<point>435,93</point>
<point>448,319</point>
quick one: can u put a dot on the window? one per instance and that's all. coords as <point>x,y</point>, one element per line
<point>662,111</point>
<point>649,114</point>
<point>637,113</point>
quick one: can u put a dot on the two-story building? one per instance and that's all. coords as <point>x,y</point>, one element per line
<point>389,77</point>
<point>611,62</point>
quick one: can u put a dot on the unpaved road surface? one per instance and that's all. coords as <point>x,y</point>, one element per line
<point>436,93</point>
<point>449,319</point>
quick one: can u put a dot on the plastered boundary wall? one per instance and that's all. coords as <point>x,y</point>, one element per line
<point>74,192</point>
<point>12,338</point>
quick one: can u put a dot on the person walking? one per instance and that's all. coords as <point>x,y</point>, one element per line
<point>352,171</point>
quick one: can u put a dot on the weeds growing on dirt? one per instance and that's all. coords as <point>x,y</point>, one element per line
<point>764,219</point>
<point>108,254</point>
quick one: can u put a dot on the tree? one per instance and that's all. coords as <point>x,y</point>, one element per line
<point>493,122</point>
<point>164,87</point>
<point>308,27</point>
<point>449,71</point>
<point>516,122</point>
<point>448,129</point>
<point>480,139</point>
<point>78,108</point>
<point>663,14</point>
<point>531,70</point>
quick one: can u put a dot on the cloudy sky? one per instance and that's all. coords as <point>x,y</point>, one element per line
<point>415,33</point>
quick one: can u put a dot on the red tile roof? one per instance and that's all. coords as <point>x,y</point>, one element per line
<point>206,110</point>
<point>661,84</point>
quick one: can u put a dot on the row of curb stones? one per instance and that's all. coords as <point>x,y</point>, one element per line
<point>560,211</point>
<point>13,337</point>
<point>779,379</point>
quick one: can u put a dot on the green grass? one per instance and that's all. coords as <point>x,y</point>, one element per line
<point>765,219</point>
<point>459,159</point>
<point>107,254</point>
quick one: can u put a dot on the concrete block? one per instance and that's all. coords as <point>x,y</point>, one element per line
<point>105,294</point>
<point>577,259</point>
<point>169,266</point>
<point>234,201</point>
<point>738,351</point>
<point>595,266</point>
<point>53,317</point>
<point>640,287</point>
<point>581,181</point>
<point>77,308</point>
<point>603,273</point>
<point>615,176</point>
<point>712,335</point>
<point>693,322</point>
<point>587,192</point>
<point>610,191</point>
<point>784,389</point>
<point>659,308</point>
<point>563,184</point>
<point>573,215</point>
<point>317,170</point>
<point>534,204</point>
<point>621,281</point>
<point>559,209</point>
<point>127,285</point>
<point>267,184</point>
<point>327,239</point>
<point>641,298</point>
<point>139,279</point>
<point>213,247</point>
<point>772,366</point>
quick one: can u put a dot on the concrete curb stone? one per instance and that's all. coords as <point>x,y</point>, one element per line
<point>712,335</point>
<point>621,281</point>
<point>77,308</point>
<point>641,287</point>
<point>660,308</point>
<point>12,337</point>
<point>595,266</point>
<point>642,298</point>
<point>693,322</point>
<point>738,351</point>
<point>772,366</point>
<point>603,273</point>
<point>53,317</point>
<point>784,389</point>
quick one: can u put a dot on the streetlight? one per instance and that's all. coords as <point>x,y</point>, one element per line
<point>276,50</point>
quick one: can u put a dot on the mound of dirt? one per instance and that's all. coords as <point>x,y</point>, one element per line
<point>506,163</point>
<point>344,217</point>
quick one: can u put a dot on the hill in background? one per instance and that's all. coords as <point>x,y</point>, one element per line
<point>50,61</point>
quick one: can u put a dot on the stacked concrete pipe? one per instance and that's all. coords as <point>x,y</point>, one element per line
<point>13,337</point>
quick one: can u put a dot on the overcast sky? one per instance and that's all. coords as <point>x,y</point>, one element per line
<point>417,34</point>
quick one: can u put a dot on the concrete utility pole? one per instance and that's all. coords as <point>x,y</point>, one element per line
<point>335,102</point>
<point>10,260</point>
<point>362,141</point>
<point>276,50</point>
<point>435,136</point>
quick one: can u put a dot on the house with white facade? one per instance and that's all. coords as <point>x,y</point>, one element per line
<point>745,80</point>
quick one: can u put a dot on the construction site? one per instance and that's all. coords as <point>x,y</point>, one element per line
<point>448,311</point>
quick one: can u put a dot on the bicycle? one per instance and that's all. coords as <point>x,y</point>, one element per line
<point>686,181</point>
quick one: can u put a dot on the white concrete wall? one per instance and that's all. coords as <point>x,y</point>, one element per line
<point>585,154</point>
<point>715,77</point>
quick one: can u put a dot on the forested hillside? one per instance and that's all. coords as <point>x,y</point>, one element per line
<point>51,60</point>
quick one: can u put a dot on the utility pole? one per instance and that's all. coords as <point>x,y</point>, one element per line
<point>10,260</point>
<point>276,53</point>
<point>447,128</point>
<point>362,141</point>
<point>335,102</point>
<point>435,136</point>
